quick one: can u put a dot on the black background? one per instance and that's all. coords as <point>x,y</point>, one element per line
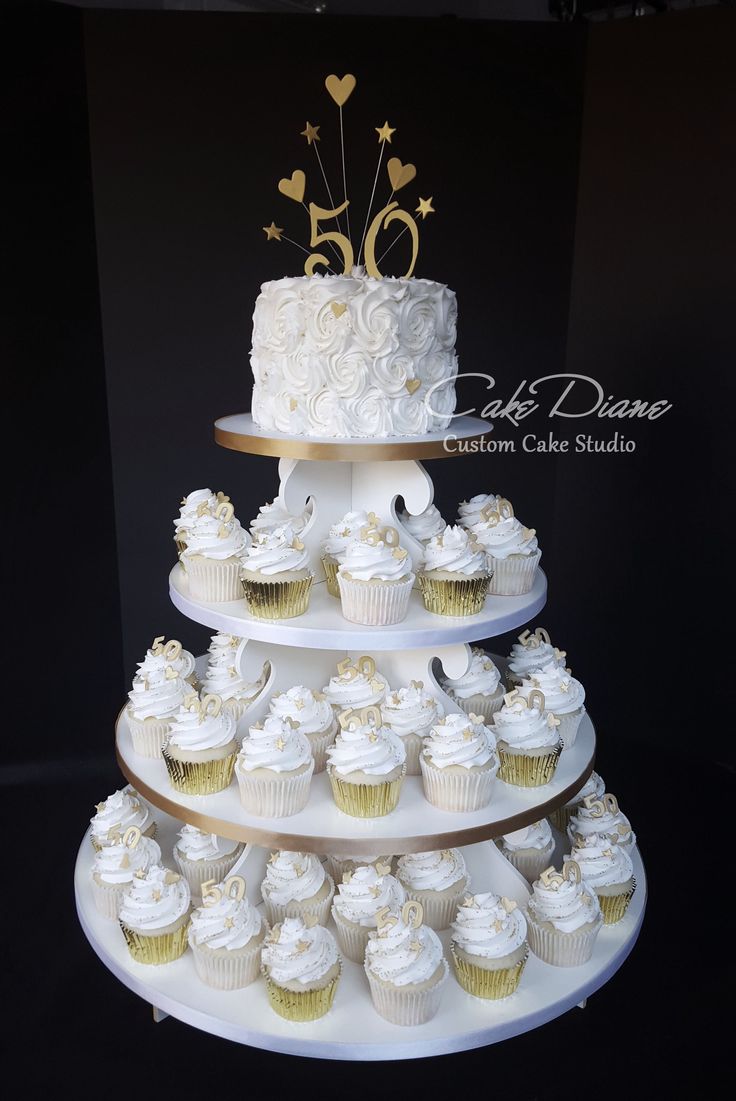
<point>583,181</point>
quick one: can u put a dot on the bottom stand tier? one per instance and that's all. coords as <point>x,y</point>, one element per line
<point>352,1029</point>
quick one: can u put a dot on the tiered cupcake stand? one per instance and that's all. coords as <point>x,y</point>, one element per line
<point>339,476</point>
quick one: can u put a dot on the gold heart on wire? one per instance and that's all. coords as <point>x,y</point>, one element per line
<point>400,174</point>
<point>294,188</point>
<point>340,88</point>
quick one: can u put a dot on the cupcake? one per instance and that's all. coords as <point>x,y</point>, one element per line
<point>154,699</point>
<point>301,966</point>
<point>115,865</point>
<point>224,678</point>
<point>215,545</point>
<point>154,915</point>
<point>367,765</point>
<point>425,525</point>
<point>313,715</point>
<point>339,864</point>
<point>274,769</point>
<point>488,947</point>
<point>226,936</point>
<point>356,684</point>
<point>564,697</point>
<point>338,539</point>
<point>203,856</point>
<point>116,814</point>
<point>411,712</point>
<point>405,967</point>
<point>470,512</point>
<point>196,503</point>
<point>479,690</point>
<point>529,744</point>
<point>594,786</point>
<point>459,763</point>
<point>529,849</point>
<point>273,515</point>
<point>606,867</point>
<point>454,575</point>
<point>512,549</point>
<point>296,885</point>
<point>360,896</point>
<point>601,816</point>
<point>563,917</point>
<point>436,879</point>
<point>375,578</point>
<point>529,653</point>
<point>201,748</point>
<point>276,575</point>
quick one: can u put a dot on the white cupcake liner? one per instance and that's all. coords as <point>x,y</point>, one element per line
<point>148,736</point>
<point>108,897</point>
<point>403,1005</point>
<point>531,862</point>
<point>561,949</point>
<point>319,744</point>
<point>232,971</point>
<point>278,798</point>
<point>212,580</point>
<point>513,576</point>
<point>320,908</point>
<point>455,791</point>
<point>568,728</point>
<point>375,604</point>
<point>439,910</point>
<point>197,872</point>
<point>351,938</point>
<point>485,706</point>
<point>413,745</point>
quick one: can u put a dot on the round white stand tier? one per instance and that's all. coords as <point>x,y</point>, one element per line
<point>352,1030</point>
<point>415,825</point>
<point>323,627</point>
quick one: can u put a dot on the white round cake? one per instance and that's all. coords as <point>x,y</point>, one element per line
<point>352,356</point>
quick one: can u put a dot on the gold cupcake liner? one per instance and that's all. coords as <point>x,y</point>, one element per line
<point>156,948</point>
<point>483,982</point>
<point>366,800</point>
<point>613,907</point>
<point>277,599</point>
<point>464,596</point>
<point>330,565</point>
<point>300,1005</point>
<point>526,771</point>
<point>200,777</point>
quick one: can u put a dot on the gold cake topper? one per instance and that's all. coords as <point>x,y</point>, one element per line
<point>339,239</point>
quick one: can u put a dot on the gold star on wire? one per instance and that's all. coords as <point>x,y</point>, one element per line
<point>425,207</point>
<point>273,232</point>
<point>311,133</point>
<point>384,132</point>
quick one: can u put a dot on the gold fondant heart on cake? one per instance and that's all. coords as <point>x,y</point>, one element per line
<point>294,188</point>
<point>340,88</point>
<point>338,308</point>
<point>399,174</point>
<point>412,385</point>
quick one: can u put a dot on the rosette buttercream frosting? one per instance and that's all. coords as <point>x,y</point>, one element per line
<point>455,552</point>
<point>273,515</point>
<point>155,900</point>
<point>424,525</point>
<point>356,687</point>
<point>223,676</point>
<point>469,512</point>
<point>343,533</point>
<point>403,955</point>
<point>276,552</point>
<point>298,954</point>
<point>481,679</point>
<point>120,810</point>
<point>366,749</point>
<point>562,693</point>
<point>564,903</point>
<point>364,892</point>
<point>488,927</point>
<point>228,923</point>
<point>275,745</point>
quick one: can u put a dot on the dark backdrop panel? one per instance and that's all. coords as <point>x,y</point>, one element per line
<point>193,122</point>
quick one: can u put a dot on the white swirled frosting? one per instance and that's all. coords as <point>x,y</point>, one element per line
<point>522,727</point>
<point>565,904</point>
<point>588,820</point>
<point>469,512</point>
<point>359,690</point>
<point>425,524</point>
<point>602,862</point>
<point>223,676</point>
<point>481,679</point>
<point>536,836</point>
<point>594,785</point>
<point>460,742</point>
<point>212,537</point>
<point>292,876</point>
<point>453,551</point>
<point>273,515</point>
<point>485,927</point>
<point>506,537</point>
<point>364,892</point>
<point>313,712</point>
<point>229,923</point>
<point>194,844</point>
<point>189,507</point>
<point>155,693</point>
<point>562,693</point>
<point>155,900</point>
<point>365,561</point>
<point>121,809</point>
<point>295,952</point>
<point>528,656</point>
<point>373,750</point>
<point>343,533</point>
<point>411,710</point>
<point>116,863</point>
<point>274,745</point>
<point>275,552</point>
<point>433,871</point>
<point>402,955</point>
<point>194,732</point>
<point>319,374</point>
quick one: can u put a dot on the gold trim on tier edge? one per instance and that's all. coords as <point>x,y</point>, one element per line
<point>303,447</point>
<point>299,842</point>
